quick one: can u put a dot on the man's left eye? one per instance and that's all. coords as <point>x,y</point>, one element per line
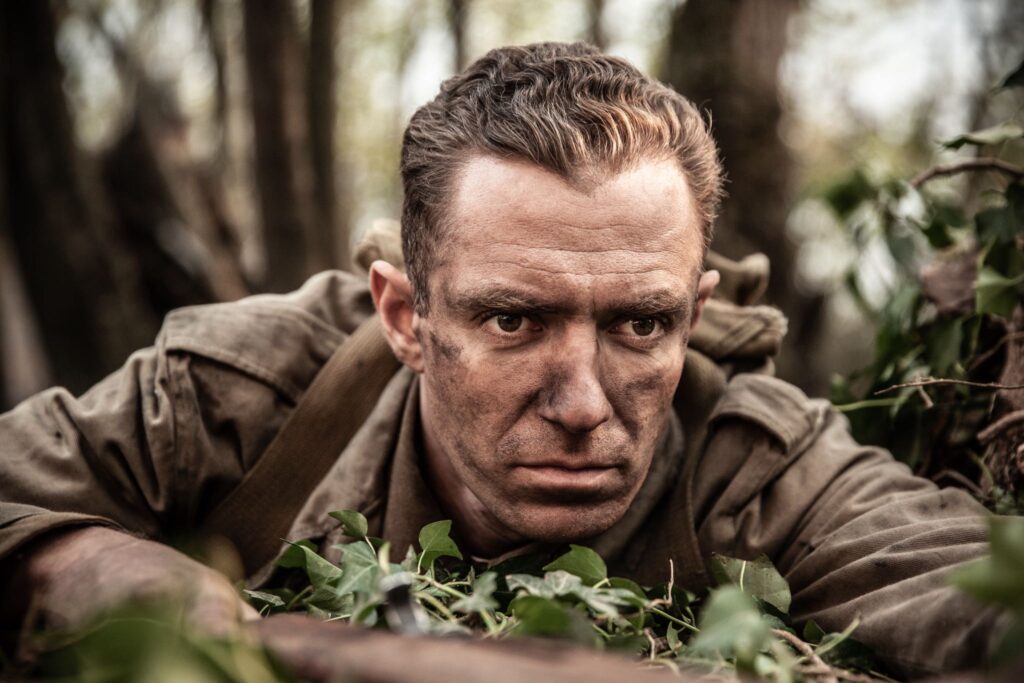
<point>639,327</point>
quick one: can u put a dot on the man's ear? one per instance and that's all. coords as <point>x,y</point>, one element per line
<point>392,295</point>
<point>705,288</point>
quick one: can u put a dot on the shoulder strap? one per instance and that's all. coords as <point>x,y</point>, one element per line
<point>329,413</point>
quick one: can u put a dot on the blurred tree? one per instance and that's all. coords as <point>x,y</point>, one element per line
<point>284,167</point>
<point>83,295</point>
<point>323,74</point>
<point>457,27</point>
<point>725,56</point>
<point>595,29</point>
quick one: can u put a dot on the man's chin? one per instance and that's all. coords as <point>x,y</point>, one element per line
<point>565,522</point>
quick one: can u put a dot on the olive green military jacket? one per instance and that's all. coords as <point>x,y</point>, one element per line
<point>155,446</point>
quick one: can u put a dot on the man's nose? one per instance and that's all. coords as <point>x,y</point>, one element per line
<point>574,398</point>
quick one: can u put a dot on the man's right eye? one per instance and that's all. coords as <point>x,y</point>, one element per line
<point>507,322</point>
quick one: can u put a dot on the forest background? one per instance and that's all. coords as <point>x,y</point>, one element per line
<point>167,153</point>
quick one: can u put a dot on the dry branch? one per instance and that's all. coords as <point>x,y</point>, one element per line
<point>981,164</point>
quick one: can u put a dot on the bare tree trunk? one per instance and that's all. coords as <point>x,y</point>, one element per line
<point>725,56</point>
<point>284,172</point>
<point>82,294</point>
<point>323,35</point>
<point>457,27</point>
<point>595,29</point>
<point>211,24</point>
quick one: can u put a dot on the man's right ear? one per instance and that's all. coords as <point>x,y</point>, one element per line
<point>393,297</point>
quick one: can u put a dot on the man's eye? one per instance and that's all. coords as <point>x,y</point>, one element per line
<point>643,327</point>
<point>639,327</point>
<point>507,322</point>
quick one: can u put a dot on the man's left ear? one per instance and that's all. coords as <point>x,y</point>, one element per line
<point>705,288</point>
<point>393,296</point>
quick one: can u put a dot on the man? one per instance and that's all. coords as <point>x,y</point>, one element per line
<point>558,206</point>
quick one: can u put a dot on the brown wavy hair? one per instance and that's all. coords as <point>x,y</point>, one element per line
<point>565,107</point>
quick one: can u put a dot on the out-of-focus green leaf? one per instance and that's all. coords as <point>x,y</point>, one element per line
<point>266,598</point>
<point>546,617</point>
<point>1015,78</point>
<point>582,562</point>
<point>436,541</point>
<point>849,193</point>
<point>758,578</point>
<point>293,557</point>
<point>352,523</point>
<point>999,578</point>
<point>987,136</point>
<point>943,344</point>
<point>481,599</point>
<point>812,632</point>
<point>731,626</point>
<point>999,225</point>
<point>996,294</point>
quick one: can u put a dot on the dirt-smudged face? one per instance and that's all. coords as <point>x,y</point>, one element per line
<point>555,338</point>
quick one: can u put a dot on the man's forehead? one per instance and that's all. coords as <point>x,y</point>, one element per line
<point>523,220</point>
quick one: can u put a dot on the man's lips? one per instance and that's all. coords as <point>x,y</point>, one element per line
<point>568,475</point>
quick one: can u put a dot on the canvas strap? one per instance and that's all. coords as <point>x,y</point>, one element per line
<point>323,422</point>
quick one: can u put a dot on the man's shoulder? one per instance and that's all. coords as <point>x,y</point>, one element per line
<point>771,405</point>
<point>279,339</point>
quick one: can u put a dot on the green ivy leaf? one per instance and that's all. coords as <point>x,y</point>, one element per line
<point>546,617</point>
<point>293,557</point>
<point>323,574</point>
<point>987,136</point>
<point>731,626</point>
<point>758,578</point>
<point>352,523</point>
<point>943,344</point>
<point>996,294</point>
<point>582,562</point>
<point>436,541</point>
<point>999,578</point>
<point>360,570</point>
<point>482,597</point>
<point>268,599</point>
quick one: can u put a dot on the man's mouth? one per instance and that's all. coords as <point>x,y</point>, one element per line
<point>569,476</point>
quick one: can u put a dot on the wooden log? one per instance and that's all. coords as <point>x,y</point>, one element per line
<point>326,651</point>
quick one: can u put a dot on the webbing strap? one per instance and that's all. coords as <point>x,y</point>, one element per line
<point>330,412</point>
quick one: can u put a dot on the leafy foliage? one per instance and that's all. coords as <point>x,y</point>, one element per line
<point>999,580</point>
<point>954,281</point>
<point>734,628</point>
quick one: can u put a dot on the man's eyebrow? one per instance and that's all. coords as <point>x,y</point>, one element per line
<point>498,298</point>
<point>662,302</point>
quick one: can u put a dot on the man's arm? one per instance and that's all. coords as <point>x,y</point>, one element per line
<point>67,576</point>
<point>154,447</point>
<point>854,532</point>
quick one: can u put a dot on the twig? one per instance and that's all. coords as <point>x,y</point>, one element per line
<point>988,433</point>
<point>980,164</point>
<point>807,651</point>
<point>960,479</point>
<point>926,381</point>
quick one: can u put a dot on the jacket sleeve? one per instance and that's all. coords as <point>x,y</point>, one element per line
<point>154,446</point>
<point>856,534</point>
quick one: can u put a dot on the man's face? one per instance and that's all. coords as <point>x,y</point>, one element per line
<point>555,338</point>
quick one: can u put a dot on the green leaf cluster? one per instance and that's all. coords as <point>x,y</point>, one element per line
<point>952,326</point>
<point>732,628</point>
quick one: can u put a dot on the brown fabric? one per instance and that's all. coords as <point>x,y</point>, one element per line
<point>331,410</point>
<point>153,447</point>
